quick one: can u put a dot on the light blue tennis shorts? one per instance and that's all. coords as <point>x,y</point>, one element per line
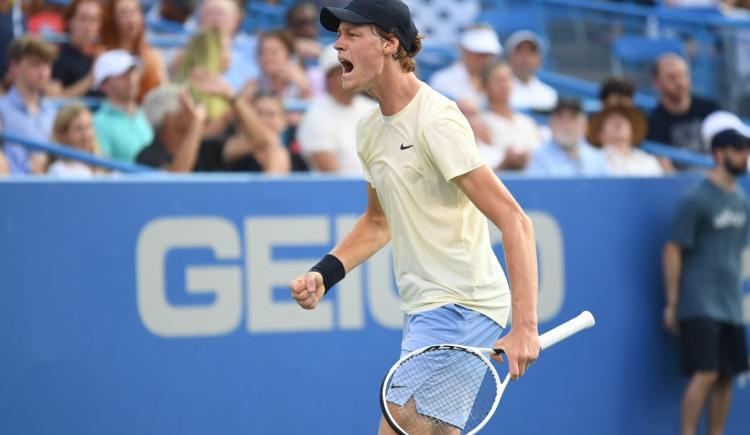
<point>449,324</point>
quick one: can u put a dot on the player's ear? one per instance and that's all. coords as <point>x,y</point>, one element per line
<point>390,45</point>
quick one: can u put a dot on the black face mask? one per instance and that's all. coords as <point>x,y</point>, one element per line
<point>735,171</point>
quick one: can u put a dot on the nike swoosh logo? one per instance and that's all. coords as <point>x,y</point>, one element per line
<point>405,148</point>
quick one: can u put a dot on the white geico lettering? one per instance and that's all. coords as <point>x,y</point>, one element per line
<point>162,318</point>
<point>371,285</point>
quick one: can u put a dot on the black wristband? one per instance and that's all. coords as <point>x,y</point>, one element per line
<point>332,270</point>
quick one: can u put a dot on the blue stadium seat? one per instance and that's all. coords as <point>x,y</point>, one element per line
<point>260,17</point>
<point>507,21</point>
<point>633,52</point>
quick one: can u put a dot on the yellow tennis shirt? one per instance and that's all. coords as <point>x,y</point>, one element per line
<point>441,245</point>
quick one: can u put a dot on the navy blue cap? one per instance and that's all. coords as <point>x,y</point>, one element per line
<point>730,138</point>
<point>388,15</point>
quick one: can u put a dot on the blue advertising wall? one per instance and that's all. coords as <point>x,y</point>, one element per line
<point>158,306</point>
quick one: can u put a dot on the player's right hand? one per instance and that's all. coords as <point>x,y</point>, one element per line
<point>308,289</point>
<point>670,320</point>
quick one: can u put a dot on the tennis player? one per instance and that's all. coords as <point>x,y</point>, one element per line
<point>430,193</point>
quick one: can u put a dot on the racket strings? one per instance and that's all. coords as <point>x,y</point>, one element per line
<point>442,391</point>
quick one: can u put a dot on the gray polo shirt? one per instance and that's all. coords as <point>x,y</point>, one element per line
<point>711,226</point>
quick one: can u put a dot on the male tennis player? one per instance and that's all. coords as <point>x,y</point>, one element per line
<point>428,193</point>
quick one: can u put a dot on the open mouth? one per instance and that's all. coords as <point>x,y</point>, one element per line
<point>348,66</point>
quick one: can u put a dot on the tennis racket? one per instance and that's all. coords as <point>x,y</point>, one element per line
<point>452,389</point>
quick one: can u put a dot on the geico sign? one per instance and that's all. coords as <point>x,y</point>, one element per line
<point>370,287</point>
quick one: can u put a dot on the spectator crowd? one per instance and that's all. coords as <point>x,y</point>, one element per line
<point>272,101</point>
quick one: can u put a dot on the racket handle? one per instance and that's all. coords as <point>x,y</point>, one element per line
<point>553,336</point>
<point>577,324</point>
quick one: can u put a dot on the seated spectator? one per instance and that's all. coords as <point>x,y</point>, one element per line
<point>677,119</point>
<point>205,58</point>
<point>327,133</point>
<point>302,24</point>
<point>74,128</point>
<point>171,17</point>
<point>178,123</point>
<point>463,80</point>
<point>122,129</point>
<point>280,72</point>
<point>24,110</point>
<point>178,145</point>
<point>227,15</point>
<point>513,136</point>
<point>618,131</point>
<point>45,17</point>
<point>482,136</point>
<point>71,72</point>
<point>617,92</point>
<point>567,154</point>
<point>524,50</point>
<point>123,28</point>
<point>270,109</point>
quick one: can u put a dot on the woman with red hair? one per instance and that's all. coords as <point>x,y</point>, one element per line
<point>122,27</point>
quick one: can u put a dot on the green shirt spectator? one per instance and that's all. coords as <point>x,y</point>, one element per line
<point>121,135</point>
<point>122,129</point>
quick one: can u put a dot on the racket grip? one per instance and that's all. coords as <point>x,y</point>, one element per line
<point>577,324</point>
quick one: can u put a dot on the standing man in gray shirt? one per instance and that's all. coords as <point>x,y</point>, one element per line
<point>702,277</point>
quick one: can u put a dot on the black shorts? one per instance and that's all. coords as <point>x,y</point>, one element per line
<point>711,346</point>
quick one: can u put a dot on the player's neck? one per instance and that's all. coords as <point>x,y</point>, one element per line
<point>394,91</point>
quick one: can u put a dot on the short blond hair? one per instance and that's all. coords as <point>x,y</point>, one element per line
<point>31,46</point>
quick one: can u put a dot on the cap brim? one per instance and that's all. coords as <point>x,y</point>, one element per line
<point>330,18</point>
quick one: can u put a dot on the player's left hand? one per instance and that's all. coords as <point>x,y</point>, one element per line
<point>521,345</point>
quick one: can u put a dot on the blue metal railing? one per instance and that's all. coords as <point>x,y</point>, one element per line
<point>69,153</point>
<point>677,155</point>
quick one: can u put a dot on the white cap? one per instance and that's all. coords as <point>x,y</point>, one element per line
<point>520,36</point>
<point>113,63</point>
<point>328,59</point>
<point>720,121</point>
<point>481,40</point>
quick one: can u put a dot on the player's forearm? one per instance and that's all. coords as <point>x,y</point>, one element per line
<point>672,264</point>
<point>498,205</point>
<point>368,236</point>
<point>520,257</point>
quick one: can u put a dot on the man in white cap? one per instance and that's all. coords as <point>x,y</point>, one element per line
<point>463,79</point>
<point>122,129</point>
<point>702,266</point>
<point>525,58</point>
<point>327,133</point>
